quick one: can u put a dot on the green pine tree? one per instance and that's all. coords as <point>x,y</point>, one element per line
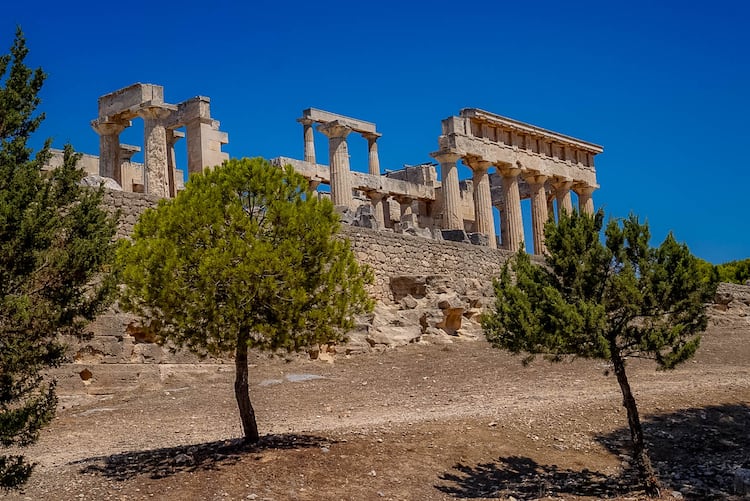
<point>611,301</point>
<point>55,241</point>
<point>245,257</point>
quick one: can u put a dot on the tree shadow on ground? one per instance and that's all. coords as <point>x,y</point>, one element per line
<point>164,462</point>
<point>694,451</point>
<point>524,478</point>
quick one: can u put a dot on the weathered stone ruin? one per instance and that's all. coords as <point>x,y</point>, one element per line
<point>431,288</point>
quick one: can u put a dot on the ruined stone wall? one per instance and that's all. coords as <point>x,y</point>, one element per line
<point>389,254</point>
<point>130,207</point>
<point>395,255</point>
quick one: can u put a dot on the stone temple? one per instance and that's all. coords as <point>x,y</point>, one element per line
<point>509,160</point>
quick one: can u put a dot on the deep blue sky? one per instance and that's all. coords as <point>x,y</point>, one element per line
<point>663,86</point>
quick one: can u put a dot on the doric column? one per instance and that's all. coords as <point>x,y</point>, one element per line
<point>405,203</point>
<point>585,199</point>
<point>539,213</point>
<point>513,227</point>
<point>309,135</point>
<point>452,217</point>
<point>172,137</point>
<point>338,160</point>
<point>109,148</point>
<point>483,200</point>
<point>562,193</point>
<point>372,153</point>
<point>155,150</point>
<point>377,199</point>
<point>503,224</point>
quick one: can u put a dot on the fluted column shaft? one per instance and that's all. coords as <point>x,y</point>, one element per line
<point>513,238</point>
<point>503,225</point>
<point>372,154</point>
<point>452,217</point>
<point>309,136</point>
<point>109,148</point>
<point>483,201</point>
<point>562,193</point>
<point>155,155</point>
<point>172,138</point>
<point>377,199</point>
<point>539,214</point>
<point>338,159</point>
<point>585,198</point>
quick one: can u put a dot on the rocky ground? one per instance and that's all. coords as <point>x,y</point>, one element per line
<point>424,421</point>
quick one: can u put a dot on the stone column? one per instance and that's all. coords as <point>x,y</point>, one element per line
<point>585,199</point>
<point>503,224</point>
<point>338,160</point>
<point>372,153</point>
<point>377,199</point>
<point>562,193</point>
<point>513,238</point>
<point>172,137</point>
<point>539,215</point>
<point>452,217</point>
<point>551,207</point>
<point>483,201</point>
<point>405,203</point>
<point>309,135</point>
<point>155,151</point>
<point>109,148</point>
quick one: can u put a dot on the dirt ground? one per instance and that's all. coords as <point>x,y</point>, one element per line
<point>421,422</point>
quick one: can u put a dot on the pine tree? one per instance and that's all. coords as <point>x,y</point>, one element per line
<point>611,301</point>
<point>55,241</point>
<point>244,258</point>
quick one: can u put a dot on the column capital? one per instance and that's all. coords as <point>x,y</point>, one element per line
<point>375,195</point>
<point>508,170</point>
<point>535,178</point>
<point>478,165</point>
<point>107,128</point>
<point>371,136</point>
<point>334,129</point>
<point>583,188</point>
<point>445,156</point>
<point>306,121</point>
<point>155,112</point>
<point>560,183</point>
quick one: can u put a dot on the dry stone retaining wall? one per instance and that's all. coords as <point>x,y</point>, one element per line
<point>426,290</point>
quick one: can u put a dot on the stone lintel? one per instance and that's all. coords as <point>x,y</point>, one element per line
<point>321,116</point>
<point>360,180</point>
<point>127,151</point>
<point>129,97</point>
<point>335,129</point>
<point>503,156</point>
<point>501,121</point>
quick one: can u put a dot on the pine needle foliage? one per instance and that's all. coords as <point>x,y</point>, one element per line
<point>245,257</point>
<point>55,243</point>
<point>610,298</point>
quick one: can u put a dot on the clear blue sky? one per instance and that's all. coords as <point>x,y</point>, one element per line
<point>663,86</point>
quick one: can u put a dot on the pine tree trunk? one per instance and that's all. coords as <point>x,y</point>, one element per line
<point>640,455</point>
<point>242,391</point>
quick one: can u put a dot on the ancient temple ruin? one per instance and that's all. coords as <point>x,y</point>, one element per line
<point>159,174</point>
<point>529,162</point>
<point>509,160</point>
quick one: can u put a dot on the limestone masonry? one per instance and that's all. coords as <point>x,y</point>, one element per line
<point>510,161</point>
<point>410,227</point>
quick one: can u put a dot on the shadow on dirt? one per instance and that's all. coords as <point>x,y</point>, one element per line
<point>524,478</point>
<point>160,463</point>
<point>694,451</point>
